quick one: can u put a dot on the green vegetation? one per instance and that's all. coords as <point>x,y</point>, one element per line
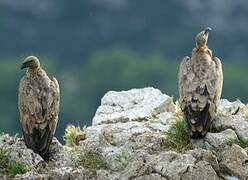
<point>92,160</point>
<point>15,168</point>
<point>83,86</point>
<point>243,142</point>
<point>113,51</point>
<point>177,137</point>
<point>4,159</point>
<point>124,158</point>
<point>11,167</point>
<point>73,135</point>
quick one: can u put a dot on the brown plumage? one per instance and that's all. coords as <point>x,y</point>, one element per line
<point>39,107</point>
<point>200,86</point>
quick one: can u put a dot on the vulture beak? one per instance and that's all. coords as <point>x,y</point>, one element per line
<point>208,29</point>
<point>25,65</point>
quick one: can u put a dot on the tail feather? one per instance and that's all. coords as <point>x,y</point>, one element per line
<point>198,121</point>
<point>39,141</point>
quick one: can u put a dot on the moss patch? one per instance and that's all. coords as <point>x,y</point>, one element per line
<point>92,160</point>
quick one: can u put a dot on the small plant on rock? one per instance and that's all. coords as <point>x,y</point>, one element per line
<point>73,135</point>
<point>11,167</point>
<point>246,112</point>
<point>14,168</point>
<point>177,137</point>
<point>243,142</point>
<point>124,158</point>
<point>178,110</point>
<point>4,159</point>
<point>92,160</point>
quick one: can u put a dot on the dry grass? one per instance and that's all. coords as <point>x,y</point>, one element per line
<point>73,135</point>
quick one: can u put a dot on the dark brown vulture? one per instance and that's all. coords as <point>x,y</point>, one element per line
<point>200,85</point>
<point>39,98</point>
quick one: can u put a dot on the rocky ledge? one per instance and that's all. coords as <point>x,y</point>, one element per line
<point>130,139</point>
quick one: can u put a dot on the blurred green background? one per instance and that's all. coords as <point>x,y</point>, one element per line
<point>93,46</point>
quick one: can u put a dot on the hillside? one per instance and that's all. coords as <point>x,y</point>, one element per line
<point>74,30</point>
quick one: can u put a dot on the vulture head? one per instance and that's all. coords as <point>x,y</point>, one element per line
<point>202,38</point>
<point>31,62</point>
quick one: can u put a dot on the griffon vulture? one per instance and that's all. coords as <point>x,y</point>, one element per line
<point>39,98</point>
<point>200,85</point>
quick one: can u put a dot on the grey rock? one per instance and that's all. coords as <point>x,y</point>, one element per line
<point>201,170</point>
<point>232,115</point>
<point>132,105</point>
<point>128,131</point>
<point>219,140</point>
<point>234,161</point>
<point>55,146</point>
<point>207,156</point>
<point>29,176</point>
<point>152,176</point>
<point>67,173</point>
<point>234,122</point>
<point>231,108</point>
<point>136,168</point>
<point>19,152</point>
<point>117,158</point>
<point>66,157</point>
<point>171,164</point>
<point>132,135</point>
<point>4,177</point>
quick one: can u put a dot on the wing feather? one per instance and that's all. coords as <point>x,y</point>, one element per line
<point>219,80</point>
<point>200,86</point>
<point>39,108</point>
<point>183,71</point>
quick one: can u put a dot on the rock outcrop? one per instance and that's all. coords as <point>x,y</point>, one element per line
<point>128,132</point>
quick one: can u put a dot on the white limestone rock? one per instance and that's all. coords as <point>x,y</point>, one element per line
<point>132,105</point>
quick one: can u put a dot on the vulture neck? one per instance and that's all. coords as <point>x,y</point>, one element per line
<point>33,72</point>
<point>202,50</point>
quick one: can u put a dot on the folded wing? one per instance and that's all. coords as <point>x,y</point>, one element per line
<point>39,108</point>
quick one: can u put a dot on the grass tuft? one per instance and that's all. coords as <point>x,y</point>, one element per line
<point>4,159</point>
<point>246,112</point>
<point>14,168</point>
<point>177,137</point>
<point>11,167</point>
<point>178,110</point>
<point>92,160</point>
<point>73,135</point>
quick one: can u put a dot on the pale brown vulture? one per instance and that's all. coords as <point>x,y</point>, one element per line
<point>200,85</point>
<point>39,98</point>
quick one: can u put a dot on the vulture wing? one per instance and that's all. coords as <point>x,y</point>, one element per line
<point>182,75</point>
<point>39,108</point>
<point>219,80</point>
<point>200,84</point>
